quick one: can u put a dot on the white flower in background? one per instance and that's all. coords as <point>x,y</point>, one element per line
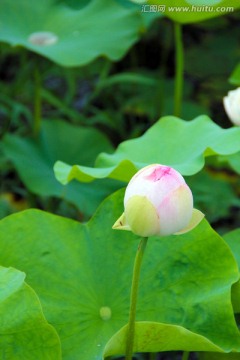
<point>158,202</point>
<point>231,104</point>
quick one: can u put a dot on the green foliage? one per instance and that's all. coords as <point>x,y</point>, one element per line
<point>166,142</point>
<point>34,159</point>
<point>25,333</point>
<point>152,337</point>
<point>233,161</point>
<point>214,194</point>
<point>215,60</point>
<point>74,34</point>
<point>185,283</point>
<point>232,238</point>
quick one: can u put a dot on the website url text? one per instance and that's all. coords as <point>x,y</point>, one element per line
<point>193,8</point>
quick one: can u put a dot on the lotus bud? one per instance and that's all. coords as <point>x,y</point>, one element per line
<point>231,104</point>
<point>158,202</point>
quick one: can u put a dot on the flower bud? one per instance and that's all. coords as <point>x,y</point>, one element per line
<point>231,104</point>
<point>158,201</point>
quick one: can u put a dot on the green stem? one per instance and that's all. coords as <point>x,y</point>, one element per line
<point>185,355</point>
<point>37,103</point>
<point>133,298</point>
<point>178,69</point>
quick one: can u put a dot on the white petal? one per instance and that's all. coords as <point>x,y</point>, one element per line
<point>155,182</point>
<point>175,211</point>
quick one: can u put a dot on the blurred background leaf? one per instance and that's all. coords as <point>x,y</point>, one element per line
<point>68,35</point>
<point>34,159</point>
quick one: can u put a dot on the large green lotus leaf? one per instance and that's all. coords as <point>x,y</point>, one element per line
<point>156,337</point>
<point>171,141</point>
<point>190,11</point>
<point>67,35</point>
<point>232,238</point>
<point>24,331</point>
<point>34,159</point>
<point>82,275</point>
